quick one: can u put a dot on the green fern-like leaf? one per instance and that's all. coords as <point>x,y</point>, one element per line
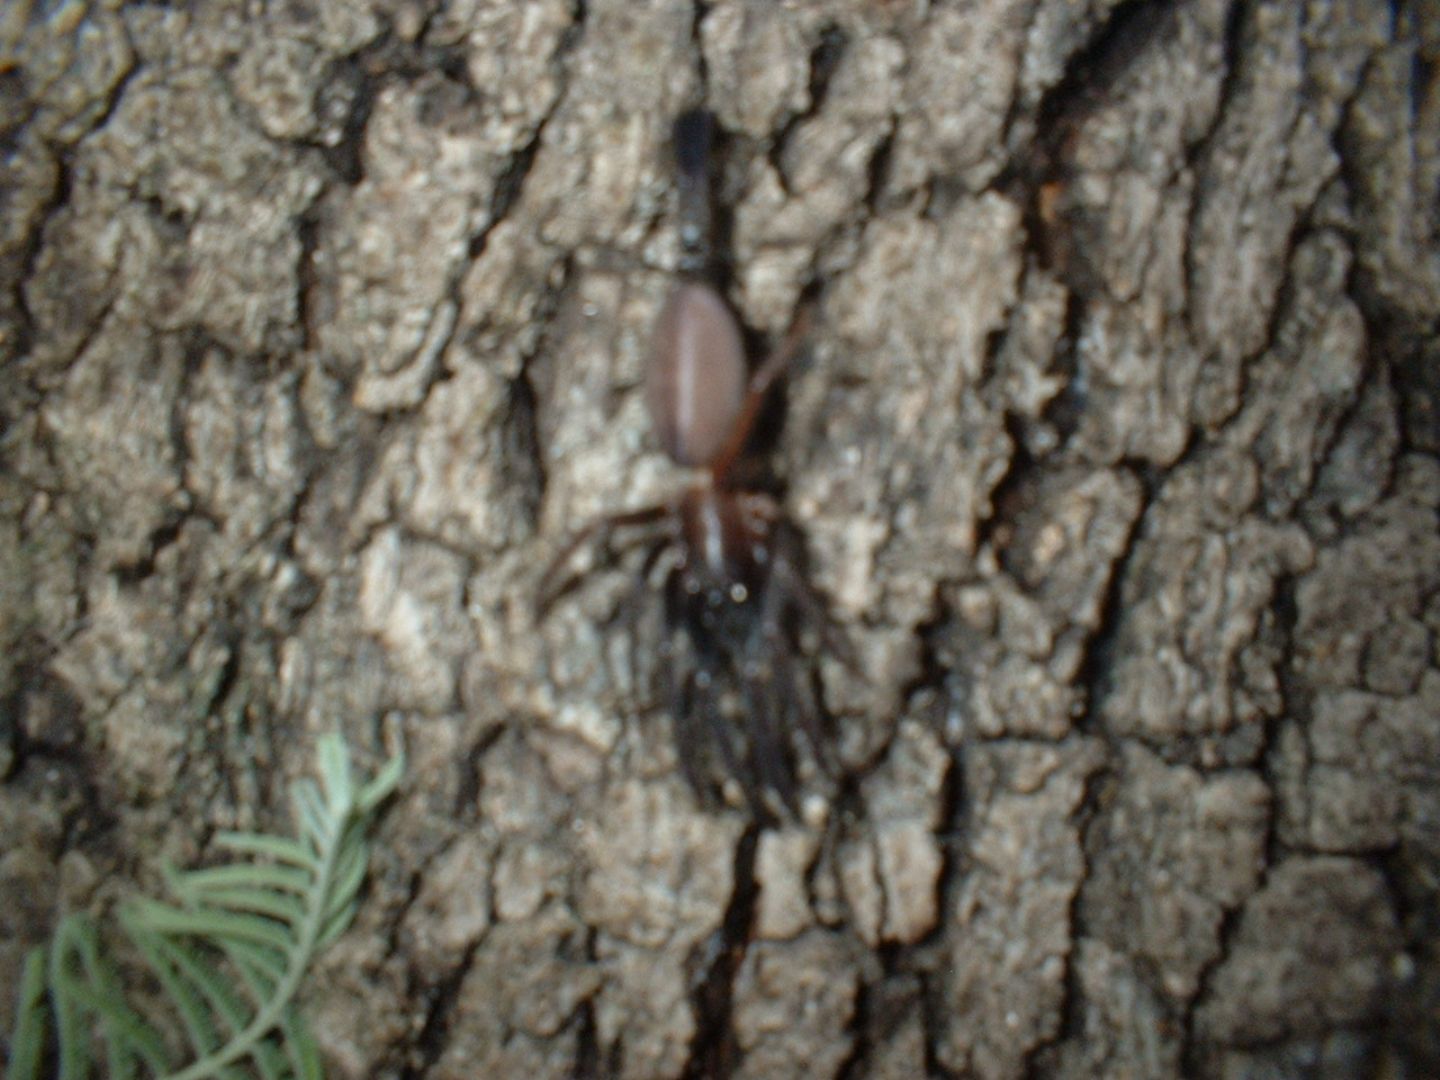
<point>229,954</point>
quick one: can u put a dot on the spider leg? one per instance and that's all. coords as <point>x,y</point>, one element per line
<point>726,737</point>
<point>804,699</point>
<point>682,695</point>
<point>769,677</point>
<point>760,383</point>
<point>768,755</point>
<point>631,615</point>
<point>653,555</point>
<point>687,738</point>
<point>786,600</point>
<point>553,586</point>
<point>715,672</point>
<point>702,726</point>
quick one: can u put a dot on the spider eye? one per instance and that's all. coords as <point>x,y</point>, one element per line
<point>738,593</point>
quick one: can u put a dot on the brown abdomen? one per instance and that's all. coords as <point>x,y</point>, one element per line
<point>696,381</point>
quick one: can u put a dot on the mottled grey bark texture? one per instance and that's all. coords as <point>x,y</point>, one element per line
<point>322,323</point>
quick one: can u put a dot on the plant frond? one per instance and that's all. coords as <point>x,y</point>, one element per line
<point>268,876</point>
<point>228,956</point>
<point>281,848</point>
<point>27,1042</point>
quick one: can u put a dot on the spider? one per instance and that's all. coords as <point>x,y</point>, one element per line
<point>736,601</point>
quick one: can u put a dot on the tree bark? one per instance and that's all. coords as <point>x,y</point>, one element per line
<point>323,324</point>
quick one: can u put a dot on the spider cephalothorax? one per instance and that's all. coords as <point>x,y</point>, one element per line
<point>736,604</point>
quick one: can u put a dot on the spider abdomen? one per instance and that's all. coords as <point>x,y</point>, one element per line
<point>695,385</point>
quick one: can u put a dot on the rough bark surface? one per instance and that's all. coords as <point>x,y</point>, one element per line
<point>322,323</point>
